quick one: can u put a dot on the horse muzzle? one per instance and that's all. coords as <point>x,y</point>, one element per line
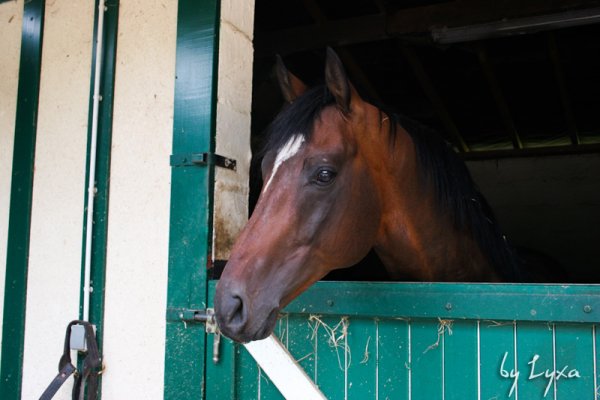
<point>239,318</point>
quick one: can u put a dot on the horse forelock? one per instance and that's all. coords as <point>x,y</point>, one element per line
<point>296,118</point>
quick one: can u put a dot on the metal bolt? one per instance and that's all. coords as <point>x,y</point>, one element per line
<point>587,309</point>
<point>533,312</point>
<point>330,303</point>
<point>448,306</point>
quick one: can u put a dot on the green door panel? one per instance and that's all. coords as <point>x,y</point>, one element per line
<point>399,349</point>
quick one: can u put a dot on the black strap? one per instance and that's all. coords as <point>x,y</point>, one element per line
<point>90,364</point>
<point>62,376</point>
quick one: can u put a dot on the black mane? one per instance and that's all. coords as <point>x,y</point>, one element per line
<point>456,193</point>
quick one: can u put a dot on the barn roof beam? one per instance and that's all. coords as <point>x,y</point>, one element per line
<point>434,97</point>
<point>516,26</point>
<point>501,104</point>
<point>386,25</point>
<point>562,89</point>
<point>354,69</point>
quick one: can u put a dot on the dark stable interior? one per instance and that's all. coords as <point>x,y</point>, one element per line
<point>513,83</point>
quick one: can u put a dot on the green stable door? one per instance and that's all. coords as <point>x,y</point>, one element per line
<point>358,340</point>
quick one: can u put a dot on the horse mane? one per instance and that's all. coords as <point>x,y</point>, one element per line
<point>456,192</point>
<point>458,195</point>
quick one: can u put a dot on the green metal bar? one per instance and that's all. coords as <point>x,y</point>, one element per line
<point>191,195</point>
<point>15,295</point>
<point>100,214</point>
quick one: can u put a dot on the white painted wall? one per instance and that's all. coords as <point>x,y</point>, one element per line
<point>59,178</point>
<point>11,14</point>
<point>234,103</point>
<point>137,254</point>
<point>138,231</point>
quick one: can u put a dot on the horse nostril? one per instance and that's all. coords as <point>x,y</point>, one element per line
<point>231,312</point>
<point>236,314</point>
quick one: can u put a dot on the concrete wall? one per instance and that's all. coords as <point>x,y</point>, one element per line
<point>59,178</point>
<point>137,253</point>
<point>138,233</point>
<point>236,54</point>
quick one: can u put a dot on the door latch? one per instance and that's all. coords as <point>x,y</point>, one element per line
<point>206,316</point>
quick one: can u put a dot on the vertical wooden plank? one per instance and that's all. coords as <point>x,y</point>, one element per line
<point>461,361</point>
<point>247,375</point>
<point>574,370</point>
<point>596,366</point>
<point>497,360</point>
<point>362,369</point>
<point>393,359</point>
<point>220,376</point>
<point>427,349</point>
<point>331,355</point>
<point>300,342</point>
<point>535,356</point>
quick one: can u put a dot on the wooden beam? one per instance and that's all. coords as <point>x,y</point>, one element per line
<point>505,114</point>
<point>516,26</point>
<point>532,152</point>
<point>461,13</point>
<point>283,370</point>
<point>333,33</point>
<point>562,89</point>
<point>422,19</point>
<point>434,98</point>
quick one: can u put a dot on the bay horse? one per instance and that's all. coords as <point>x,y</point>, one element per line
<point>341,177</point>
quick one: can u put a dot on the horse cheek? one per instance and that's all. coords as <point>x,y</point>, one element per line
<point>356,232</point>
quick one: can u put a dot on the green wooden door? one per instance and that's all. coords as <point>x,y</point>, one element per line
<point>191,196</point>
<point>430,341</point>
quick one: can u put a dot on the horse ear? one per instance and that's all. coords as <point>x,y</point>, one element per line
<point>337,81</point>
<point>291,86</point>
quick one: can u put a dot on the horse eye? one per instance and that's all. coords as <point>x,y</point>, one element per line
<point>324,177</point>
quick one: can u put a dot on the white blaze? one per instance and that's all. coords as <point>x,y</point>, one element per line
<point>288,151</point>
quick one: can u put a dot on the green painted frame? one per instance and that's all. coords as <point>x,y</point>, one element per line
<point>507,302</point>
<point>191,195</point>
<point>491,301</point>
<point>17,259</point>
<point>100,214</point>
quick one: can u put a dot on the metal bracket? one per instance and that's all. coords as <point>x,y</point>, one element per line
<point>206,316</point>
<point>203,159</point>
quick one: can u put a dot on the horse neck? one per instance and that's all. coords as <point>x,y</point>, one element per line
<point>416,240</point>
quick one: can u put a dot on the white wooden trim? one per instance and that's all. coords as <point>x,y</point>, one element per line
<point>283,370</point>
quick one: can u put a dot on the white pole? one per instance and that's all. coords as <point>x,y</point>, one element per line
<point>87,289</point>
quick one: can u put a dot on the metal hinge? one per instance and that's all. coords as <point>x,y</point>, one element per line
<point>206,316</point>
<point>201,159</point>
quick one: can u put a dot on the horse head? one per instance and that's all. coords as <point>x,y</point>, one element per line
<point>319,208</point>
